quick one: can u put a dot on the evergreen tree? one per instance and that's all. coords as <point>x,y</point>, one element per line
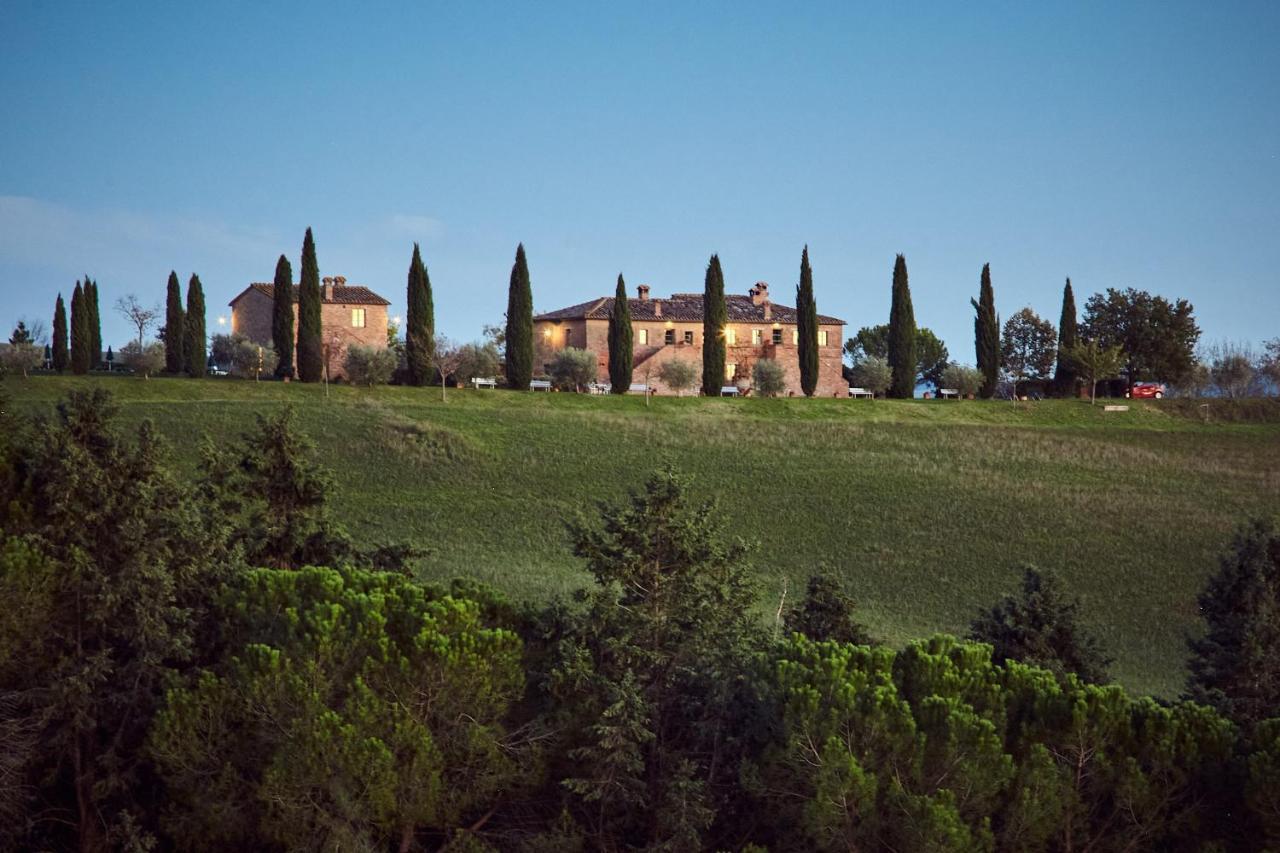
<point>986,334</point>
<point>419,322</point>
<point>620,341</point>
<point>519,340</point>
<point>282,329</point>
<point>902,335</point>
<point>310,345</point>
<point>195,351</point>
<point>1235,666</point>
<point>81,339</point>
<point>1065,377</point>
<point>61,346</point>
<point>826,613</point>
<point>175,327</point>
<point>95,322</point>
<point>807,327</point>
<point>714,319</point>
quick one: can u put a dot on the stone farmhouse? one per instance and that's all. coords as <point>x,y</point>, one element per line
<point>348,315</point>
<point>671,328</point>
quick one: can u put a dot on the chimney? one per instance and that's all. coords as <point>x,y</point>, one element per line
<point>643,292</point>
<point>657,307</point>
<point>327,290</point>
<point>760,293</point>
<point>768,310</point>
<point>340,280</point>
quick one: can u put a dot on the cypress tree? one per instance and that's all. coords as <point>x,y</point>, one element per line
<point>519,345</point>
<point>175,327</point>
<point>986,334</point>
<point>95,322</point>
<point>194,350</point>
<point>80,337</point>
<point>61,351</point>
<point>1065,376</point>
<point>807,327</point>
<point>714,318</point>
<point>419,332</point>
<point>282,318</point>
<point>902,335</point>
<point>310,346</point>
<point>620,341</point>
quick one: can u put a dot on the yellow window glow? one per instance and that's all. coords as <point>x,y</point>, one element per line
<point>357,318</point>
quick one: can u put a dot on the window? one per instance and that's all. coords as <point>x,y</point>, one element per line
<point>777,336</point>
<point>795,337</point>
<point>822,337</point>
<point>669,337</point>
<point>568,337</point>
<point>644,337</point>
<point>730,369</point>
<point>688,338</point>
<point>731,337</point>
<point>755,337</point>
<point>357,318</point>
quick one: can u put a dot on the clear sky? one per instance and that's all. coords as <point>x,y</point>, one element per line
<point>1121,144</point>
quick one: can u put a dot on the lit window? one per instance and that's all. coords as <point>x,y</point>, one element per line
<point>795,337</point>
<point>730,369</point>
<point>688,337</point>
<point>777,336</point>
<point>755,337</point>
<point>731,337</point>
<point>822,338</point>
<point>669,337</point>
<point>644,337</point>
<point>357,318</point>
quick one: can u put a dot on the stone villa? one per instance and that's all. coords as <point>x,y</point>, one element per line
<point>671,328</point>
<point>348,315</point>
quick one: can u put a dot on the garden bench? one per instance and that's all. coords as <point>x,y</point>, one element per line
<point>861,392</point>
<point>949,393</point>
<point>729,391</point>
<point>540,385</point>
<point>638,388</point>
<point>479,382</point>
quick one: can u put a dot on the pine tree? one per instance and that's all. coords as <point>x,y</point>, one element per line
<point>519,349</point>
<point>175,327</point>
<point>902,335</point>
<point>310,345</point>
<point>986,334</point>
<point>419,322</point>
<point>807,327</point>
<point>1065,377</point>
<point>714,318</point>
<point>621,349</point>
<point>95,322</point>
<point>195,350</point>
<point>282,318</point>
<point>61,349</point>
<point>81,340</point>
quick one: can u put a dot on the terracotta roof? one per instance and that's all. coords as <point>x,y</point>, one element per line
<point>683,307</point>
<point>344,294</point>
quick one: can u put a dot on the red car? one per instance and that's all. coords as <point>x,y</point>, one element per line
<point>1146,390</point>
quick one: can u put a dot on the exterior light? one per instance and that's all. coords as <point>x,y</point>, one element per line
<point>670,325</point>
<point>546,333</point>
<point>222,321</point>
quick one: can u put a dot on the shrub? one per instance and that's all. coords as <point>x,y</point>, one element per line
<point>20,358</point>
<point>964,379</point>
<point>247,359</point>
<point>874,374</point>
<point>678,375</point>
<point>477,361</point>
<point>145,360</point>
<point>220,348</point>
<point>369,365</point>
<point>768,378</point>
<point>573,368</point>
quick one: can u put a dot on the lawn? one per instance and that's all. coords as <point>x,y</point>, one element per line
<point>927,508</point>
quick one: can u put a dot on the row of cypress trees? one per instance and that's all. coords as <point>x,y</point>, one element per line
<point>81,348</point>
<point>185,336</point>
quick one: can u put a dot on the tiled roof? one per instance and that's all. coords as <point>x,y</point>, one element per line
<point>344,294</point>
<point>682,307</point>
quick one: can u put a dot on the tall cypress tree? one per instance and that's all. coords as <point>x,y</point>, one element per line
<point>61,348</point>
<point>714,318</point>
<point>807,327</point>
<point>621,350</point>
<point>419,333</point>
<point>80,337</point>
<point>519,325</point>
<point>310,345</point>
<point>986,334</point>
<point>95,322</point>
<point>195,350</point>
<point>902,335</point>
<point>282,318</point>
<point>175,327</point>
<point>1064,377</point>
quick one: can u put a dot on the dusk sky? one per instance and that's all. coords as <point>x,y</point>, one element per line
<point>1121,144</point>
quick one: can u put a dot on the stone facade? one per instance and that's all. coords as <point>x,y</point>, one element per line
<point>348,315</point>
<point>667,329</point>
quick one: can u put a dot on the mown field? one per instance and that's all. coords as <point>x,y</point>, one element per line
<point>927,508</point>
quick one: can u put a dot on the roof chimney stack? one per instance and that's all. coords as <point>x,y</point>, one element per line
<point>760,293</point>
<point>327,290</point>
<point>657,307</point>
<point>643,292</point>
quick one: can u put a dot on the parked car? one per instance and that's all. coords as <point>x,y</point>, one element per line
<point>216,370</point>
<point>1146,391</point>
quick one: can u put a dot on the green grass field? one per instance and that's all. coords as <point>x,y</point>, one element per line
<point>927,508</point>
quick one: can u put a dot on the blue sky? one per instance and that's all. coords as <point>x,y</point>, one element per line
<point>1122,144</point>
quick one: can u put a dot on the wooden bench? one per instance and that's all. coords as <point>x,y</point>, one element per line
<point>729,391</point>
<point>861,392</point>
<point>949,393</point>
<point>638,388</point>
<point>479,382</point>
<point>540,385</point>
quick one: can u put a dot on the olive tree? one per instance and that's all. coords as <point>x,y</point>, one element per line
<point>768,379</point>
<point>678,375</point>
<point>573,368</point>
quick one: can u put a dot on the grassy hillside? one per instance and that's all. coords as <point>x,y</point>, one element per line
<point>928,508</point>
